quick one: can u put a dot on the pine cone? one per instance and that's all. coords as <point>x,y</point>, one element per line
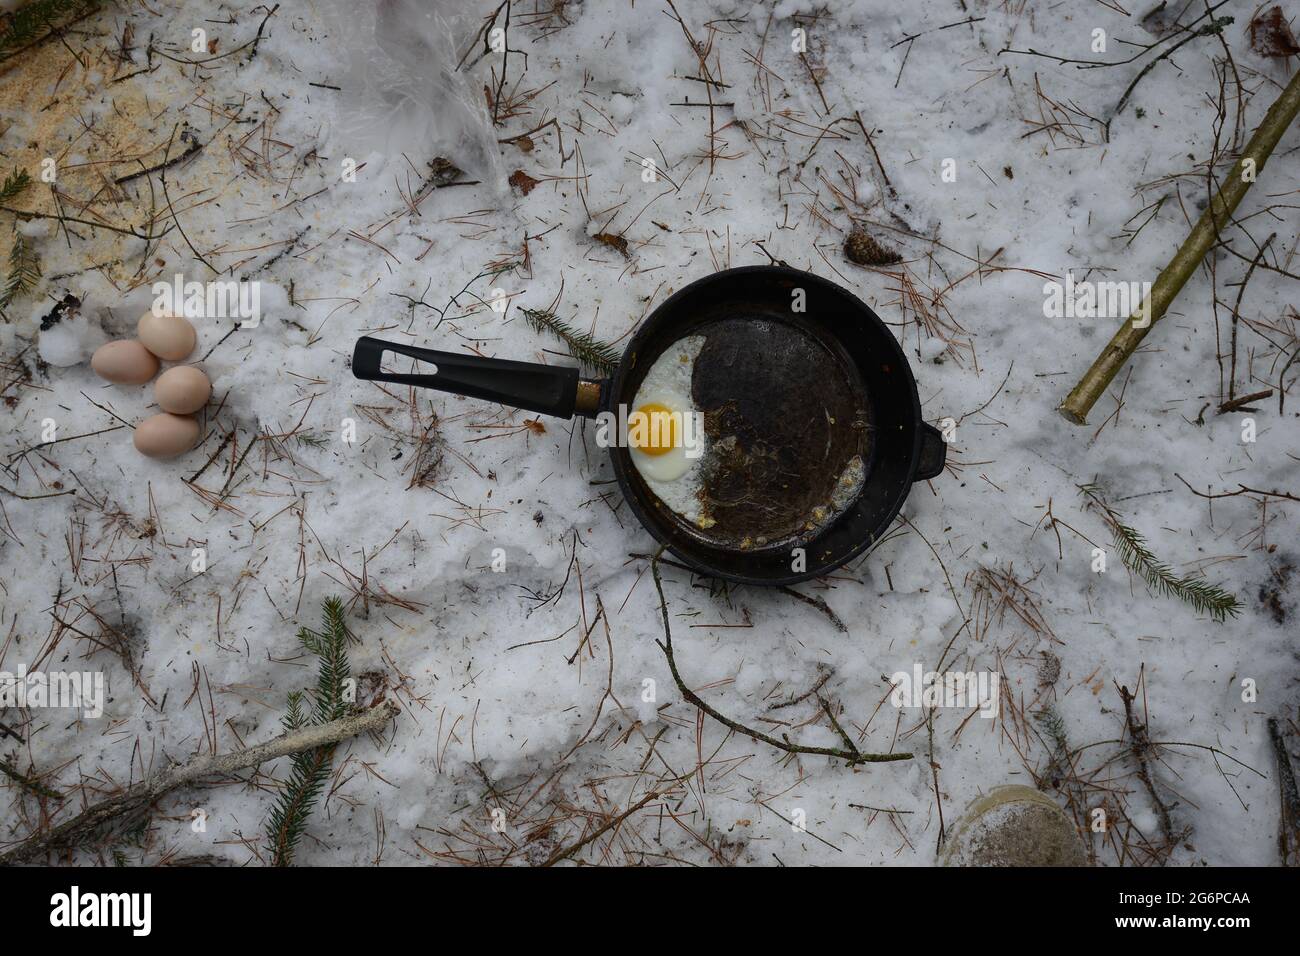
<point>866,251</point>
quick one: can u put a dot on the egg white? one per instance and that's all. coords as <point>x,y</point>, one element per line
<point>673,476</point>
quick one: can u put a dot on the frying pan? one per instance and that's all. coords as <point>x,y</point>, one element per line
<point>813,425</point>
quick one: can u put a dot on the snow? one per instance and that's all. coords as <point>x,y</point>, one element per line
<point>506,676</point>
<point>70,342</point>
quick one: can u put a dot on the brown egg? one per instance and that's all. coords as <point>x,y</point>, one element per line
<point>170,337</point>
<point>125,362</point>
<point>166,435</point>
<point>182,390</point>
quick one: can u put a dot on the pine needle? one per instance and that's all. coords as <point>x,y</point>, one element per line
<point>24,272</point>
<point>1204,596</point>
<point>310,769</point>
<point>14,184</point>
<point>583,346</point>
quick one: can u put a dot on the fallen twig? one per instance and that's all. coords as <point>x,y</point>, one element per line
<point>568,851</point>
<point>820,605</point>
<point>1288,830</point>
<point>1242,401</point>
<point>851,755</point>
<point>1241,490</point>
<point>38,788</point>
<point>1140,746</point>
<point>137,798</point>
<point>193,147</point>
<point>1203,237</point>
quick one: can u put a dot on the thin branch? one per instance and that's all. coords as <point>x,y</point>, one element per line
<point>852,756</point>
<point>137,798</point>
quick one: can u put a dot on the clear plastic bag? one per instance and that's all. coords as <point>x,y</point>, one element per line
<point>401,92</point>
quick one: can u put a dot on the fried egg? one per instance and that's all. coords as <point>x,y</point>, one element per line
<point>665,433</point>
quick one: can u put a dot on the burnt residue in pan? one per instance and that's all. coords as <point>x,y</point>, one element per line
<point>788,429</point>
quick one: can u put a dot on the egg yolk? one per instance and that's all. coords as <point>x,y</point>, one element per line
<point>657,431</point>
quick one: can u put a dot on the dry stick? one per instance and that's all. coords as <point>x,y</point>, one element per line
<point>26,215</point>
<point>162,176</point>
<point>1241,401</point>
<point>819,604</point>
<point>565,852</point>
<point>808,599</point>
<point>934,773</point>
<point>806,694</point>
<point>45,444</point>
<point>1281,380</point>
<point>52,494</point>
<point>1236,321</point>
<point>1215,26</point>
<point>852,756</point>
<point>1241,490</point>
<point>1199,241</point>
<point>144,793</point>
<point>34,785</point>
<point>1288,833</point>
<point>189,151</point>
<point>857,115</point>
<point>1139,745</point>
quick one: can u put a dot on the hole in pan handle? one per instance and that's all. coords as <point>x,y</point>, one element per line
<point>934,452</point>
<point>548,389</point>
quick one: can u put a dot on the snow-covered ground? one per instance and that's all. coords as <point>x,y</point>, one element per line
<point>539,691</point>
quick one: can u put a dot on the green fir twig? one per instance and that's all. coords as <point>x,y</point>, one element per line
<point>35,22</point>
<point>310,769</point>
<point>583,346</point>
<point>1203,596</point>
<point>24,272</point>
<point>1054,726</point>
<point>14,184</point>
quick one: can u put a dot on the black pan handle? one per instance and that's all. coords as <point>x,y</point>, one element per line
<point>934,452</point>
<point>549,389</point>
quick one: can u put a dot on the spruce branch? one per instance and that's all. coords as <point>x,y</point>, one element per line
<point>36,21</point>
<point>14,184</point>
<point>330,646</point>
<point>1054,726</point>
<point>1203,596</point>
<point>24,272</point>
<point>1059,770</point>
<point>310,769</point>
<point>134,802</point>
<point>583,346</point>
<point>294,718</point>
